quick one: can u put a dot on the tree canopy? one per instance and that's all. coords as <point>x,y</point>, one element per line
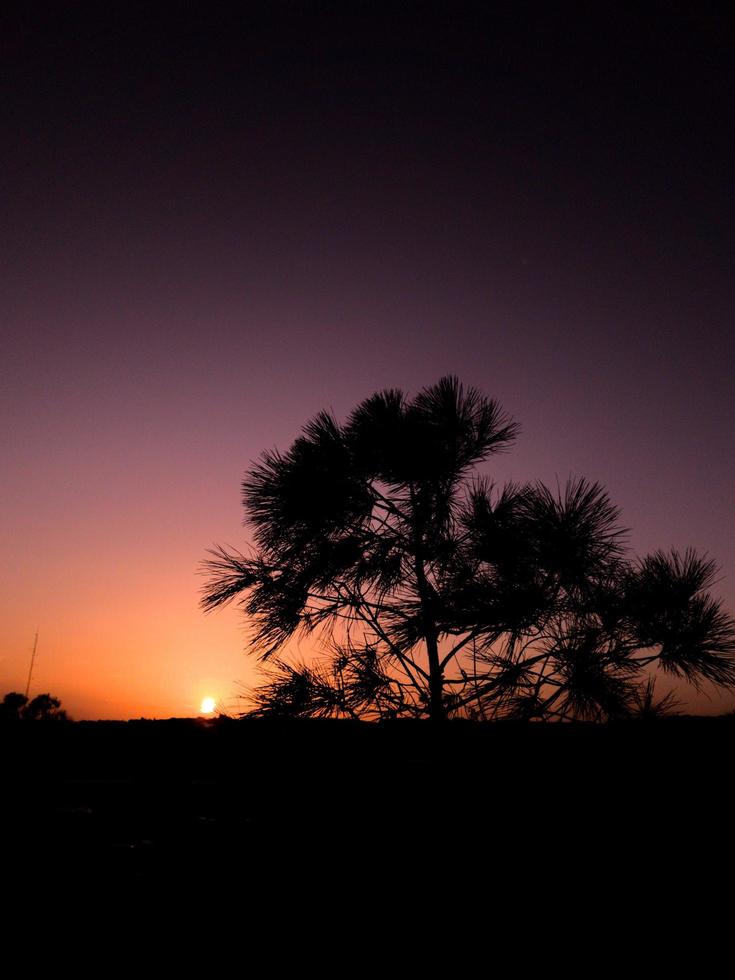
<point>432,592</point>
<point>44,707</point>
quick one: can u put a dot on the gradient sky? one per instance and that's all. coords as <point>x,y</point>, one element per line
<point>215,224</point>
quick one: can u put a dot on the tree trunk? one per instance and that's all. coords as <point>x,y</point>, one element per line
<point>436,679</point>
<point>437,711</point>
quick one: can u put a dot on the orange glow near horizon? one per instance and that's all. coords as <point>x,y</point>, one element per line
<point>125,638</point>
<point>135,645</point>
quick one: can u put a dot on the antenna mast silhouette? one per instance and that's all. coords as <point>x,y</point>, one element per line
<point>33,660</point>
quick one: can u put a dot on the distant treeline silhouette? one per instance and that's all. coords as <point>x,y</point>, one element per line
<point>434,593</point>
<point>44,707</point>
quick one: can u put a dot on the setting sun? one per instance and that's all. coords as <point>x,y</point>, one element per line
<point>207,706</point>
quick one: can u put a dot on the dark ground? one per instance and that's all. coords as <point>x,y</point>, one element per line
<point>182,803</point>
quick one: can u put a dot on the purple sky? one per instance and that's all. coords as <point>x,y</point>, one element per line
<point>215,225</point>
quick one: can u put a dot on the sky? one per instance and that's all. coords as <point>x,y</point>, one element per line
<point>219,221</point>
